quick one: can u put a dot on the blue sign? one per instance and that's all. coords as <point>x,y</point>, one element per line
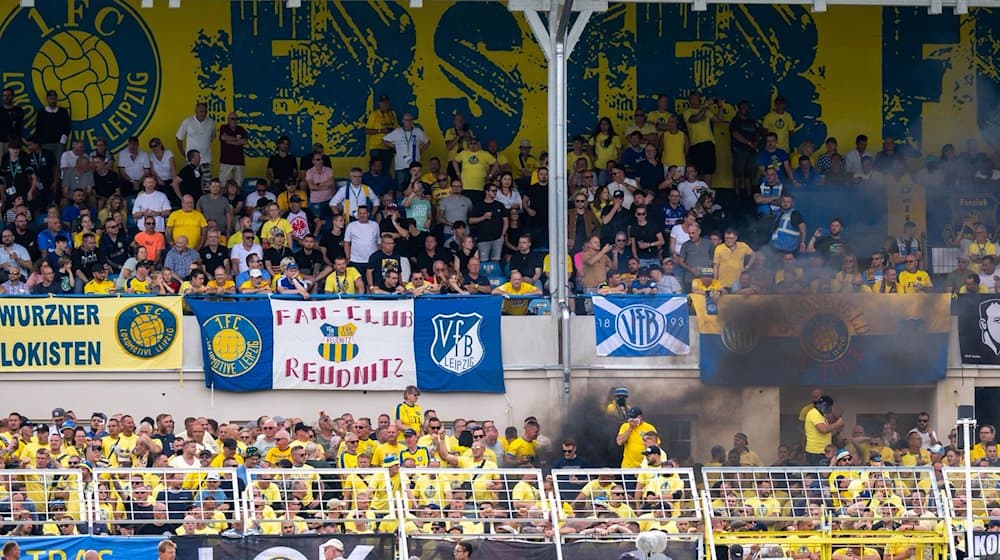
<point>125,548</point>
<point>649,326</point>
<point>236,343</point>
<point>457,347</point>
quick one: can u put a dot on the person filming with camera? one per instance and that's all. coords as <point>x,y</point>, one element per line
<point>819,425</point>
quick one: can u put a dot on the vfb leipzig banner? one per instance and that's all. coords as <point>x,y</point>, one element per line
<point>436,343</point>
<point>979,328</point>
<point>90,334</point>
<point>648,326</point>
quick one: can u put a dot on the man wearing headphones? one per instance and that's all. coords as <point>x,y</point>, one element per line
<point>819,425</point>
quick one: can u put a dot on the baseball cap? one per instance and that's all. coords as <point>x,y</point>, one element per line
<point>620,391</point>
<point>409,432</point>
<point>205,453</point>
<point>634,412</point>
<point>619,194</point>
<point>525,143</point>
<point>69,424</point>
<point>229,443</point>
<point>391,206</point>
<point>302,427</point>
<point>292,264</point>
<point>256,273</point>
<point>278,419</point>
<point>382,97</point>
<point>212,476</point>
<point>651,450</point>
<point>937,449</point>
<point>58,413</point>
<point>843,454</point>
<point>252,452</point>
<point>707,271</point>
<point>390,460</point>
<point>643,271</point>
<point>295,198</point>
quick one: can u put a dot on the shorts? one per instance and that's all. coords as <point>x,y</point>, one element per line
<point>227,172</point>
<point>490,250</point>
<point>702,156</point>
<point>744,164</point>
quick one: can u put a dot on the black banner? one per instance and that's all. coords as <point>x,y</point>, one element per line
<point>979,328</point>
<point>986,546</point>
<point>298,547</point>
<point>437,549</point>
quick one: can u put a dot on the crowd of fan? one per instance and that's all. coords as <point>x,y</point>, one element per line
<point>643,217</point>
<point>298,499</point>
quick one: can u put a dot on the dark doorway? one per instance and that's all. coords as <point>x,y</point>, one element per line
<point>988,405</point>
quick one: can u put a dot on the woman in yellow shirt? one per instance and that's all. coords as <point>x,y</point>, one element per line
<point>607,146</point>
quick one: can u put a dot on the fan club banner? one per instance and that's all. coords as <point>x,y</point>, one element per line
<point>297,547</point>
<point>824,339</point>
<point>986,546</point>
<point>90,334</point>
<point>76,547</point>
<point>352,344</point>
<point>979,328</point>
<point>629,326</point>
<point>437,549</point>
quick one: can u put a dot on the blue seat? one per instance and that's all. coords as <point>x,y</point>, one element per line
<point>496,281</point>
<point>249,185</point>
<point>490,269</point>
<point>540,306</point>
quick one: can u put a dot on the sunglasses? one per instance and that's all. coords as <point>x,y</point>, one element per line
<point>567,450</point>
<point>434,428</point>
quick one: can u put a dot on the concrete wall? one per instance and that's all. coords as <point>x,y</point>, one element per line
<point>664,387</point>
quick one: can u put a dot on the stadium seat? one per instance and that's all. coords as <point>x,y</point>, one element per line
<point>249,185</point>
<point>540,306</point>
<point>490,269</point>
<point>496,281</point>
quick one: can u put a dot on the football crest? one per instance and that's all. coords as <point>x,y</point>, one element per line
<point>457,346</point>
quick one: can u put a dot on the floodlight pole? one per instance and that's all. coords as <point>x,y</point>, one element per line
<point>557,36</point>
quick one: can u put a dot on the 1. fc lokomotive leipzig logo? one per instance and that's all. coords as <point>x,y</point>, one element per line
<point>97,55</point>
<point>457,346</point>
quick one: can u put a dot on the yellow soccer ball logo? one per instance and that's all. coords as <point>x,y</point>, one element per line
<point>229,345</point>
<point>81,68</point>
<point>146,329</point>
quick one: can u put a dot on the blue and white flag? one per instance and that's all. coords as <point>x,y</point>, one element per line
<point>648,326</point>
<point>457,344</point>
<point>236,343</point>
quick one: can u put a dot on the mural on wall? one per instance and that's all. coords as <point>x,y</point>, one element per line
<point>314,73</point>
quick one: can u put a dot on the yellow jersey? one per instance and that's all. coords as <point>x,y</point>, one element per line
<point>782,125</point>
<point>673,148</point>
<point>605,149</point>
<point>632,456</point>
<point>475,167</point>
<point>411,416</point>
<point>700,131</point>
<point>378,121</point>
<point>731,261</point>
<point>816,441</point>
<point>189,224</point>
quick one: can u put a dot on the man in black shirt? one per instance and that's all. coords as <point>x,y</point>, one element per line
<point>526,262</point>
<point>25,236</point>
<point>744,135</point>
<point>282,167</point>
<point>85,257</point>
<point>312,264</point>
<point>490,219</point>
<point>106,182</point>
<point>647,239</point>
<point>16,170</point>
<point>424,259</point>
<point>114,245</point>
<point>11,118</point>
<point>383,261</point>
<point>474,282</point>
<point>44,162</point>
<point>52,125</point>
<point>214,254</point>
<point>188,179</point>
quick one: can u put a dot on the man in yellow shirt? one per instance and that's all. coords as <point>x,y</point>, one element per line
<point>699,117</point>
<point>630,438</point>
<point>282,449</point>
<point>912,280</point>
<point>819,428</point>
<point>382,121</point>
<point>731,258</point>
<point>474,166</point>
<point>780,122</point>
<point>275,222</point>
<point>344,279</point>
<point>986,435</point>
<point>187,222</point>
<point>99,284</point>
<point>408,413</point>
<point>523,450</point>
<point>516,287</point>
<point>980,247</point>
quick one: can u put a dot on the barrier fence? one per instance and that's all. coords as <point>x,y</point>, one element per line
<point>820,512</point>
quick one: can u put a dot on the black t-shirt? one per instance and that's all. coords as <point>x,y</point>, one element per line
<point>747,127</point>
<point>45,164</point>
<point>107,185</point>
<point>380,264</point>
<point>425,262</point>
<point>83,260</point>
<point>16,174</point>
<point>831,248</point>
<point>646,233</point>
<point>463,259</point>
<point>213,258</point>
<point>273,255</point>
<point>190,181</point>
<point>490,229</point>
<point>539,197</point>
<point>650,175</point>
<point>481,281</point>
<point>310,263</point>
<point>620,222</point>
<point>525,264</point>
<point>333,245</point>
<point>283,168</point>
<point>28,240</point>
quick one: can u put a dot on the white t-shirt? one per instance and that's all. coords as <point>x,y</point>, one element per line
<point>238,254</point>
<point>624,187</point>
<point>680,237</point>
<point>155,201</point>
<point>407,145</point>
<point>364,239</point>
<point>67,161</point>
<point>135,166</point>
<point>199,136</point>
<point>161,167</point>
<point>988,281</point>
<point>691,191</point>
